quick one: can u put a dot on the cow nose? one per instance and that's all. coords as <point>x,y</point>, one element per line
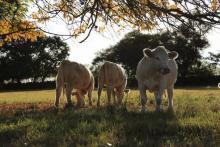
<point>165,71</point>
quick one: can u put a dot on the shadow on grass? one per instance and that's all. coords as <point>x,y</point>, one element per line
<point>104,126</point>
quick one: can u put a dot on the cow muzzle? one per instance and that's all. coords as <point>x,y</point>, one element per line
<point>165,71</point>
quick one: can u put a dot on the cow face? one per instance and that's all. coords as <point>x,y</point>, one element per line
<point>160,58</point>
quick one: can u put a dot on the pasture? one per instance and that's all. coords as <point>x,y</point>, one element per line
<point>27,118</point>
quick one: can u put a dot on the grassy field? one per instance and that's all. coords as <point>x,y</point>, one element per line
<point>27,118</point>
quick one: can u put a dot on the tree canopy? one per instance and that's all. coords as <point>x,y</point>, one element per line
<point>215,61</point>
<point>187,43</point>
<point>32,59</point>
<point>14,24</point>
<point>83,16</point>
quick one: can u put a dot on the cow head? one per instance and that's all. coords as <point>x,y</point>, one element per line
<point>160,57</point>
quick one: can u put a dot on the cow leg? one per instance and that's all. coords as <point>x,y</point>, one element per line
<point>58,94</point>
<point>90,96</point>
<point>120,95</point>
<point>79,98</point>
<point>158,97</point>
<point>99,94</point>
<point>113,95</point>
<point>68,94</point>
<point>109,92</point>
<point>170,97</point>
<point>143,96</point>
<point>83,100</point>
<point>77,93</point>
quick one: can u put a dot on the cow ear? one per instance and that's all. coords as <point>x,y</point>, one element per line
<point>173,55</point>
<point>148,52</point>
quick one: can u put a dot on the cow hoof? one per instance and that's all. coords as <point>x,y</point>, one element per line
<point>143,110</point>
<point>54,109</point>
<point>98,104</point>
<point>170,109</point>
<point>56,106</point>
<point>68,105</point>
<point>79,105</point>
<point>158,110</point>
<point>83,105</point>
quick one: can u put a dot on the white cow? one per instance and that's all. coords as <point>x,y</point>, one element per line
<point>114,78</point>
<point>157,71</point>
<point>72,75</point>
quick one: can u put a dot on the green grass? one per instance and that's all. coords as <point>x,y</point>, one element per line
<point>27,118</point>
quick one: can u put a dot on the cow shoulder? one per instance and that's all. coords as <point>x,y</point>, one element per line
<point>145,68</point>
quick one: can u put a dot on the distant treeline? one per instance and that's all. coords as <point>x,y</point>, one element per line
<point>28,86</point>
<point>35,62</point>
<point>186,82</point>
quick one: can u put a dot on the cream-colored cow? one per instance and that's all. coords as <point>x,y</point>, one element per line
<point>72,75</point>
<point>114,78</point>
<point>157,71</point>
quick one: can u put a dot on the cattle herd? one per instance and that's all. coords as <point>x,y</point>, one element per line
<point>156,72</point>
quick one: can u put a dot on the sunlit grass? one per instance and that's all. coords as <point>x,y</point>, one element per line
<point>48,96</point>
<point>27,119</point>
<point>27,96</point>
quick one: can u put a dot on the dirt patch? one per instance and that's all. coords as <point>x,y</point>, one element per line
<point>40,107</point>
<point>5,108</point>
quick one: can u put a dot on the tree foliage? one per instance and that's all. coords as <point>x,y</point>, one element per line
<point>83,16</point>
<point>214,59</point>
<point>26,59</point>
<point>13,22</point>
<point>186,42</point>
